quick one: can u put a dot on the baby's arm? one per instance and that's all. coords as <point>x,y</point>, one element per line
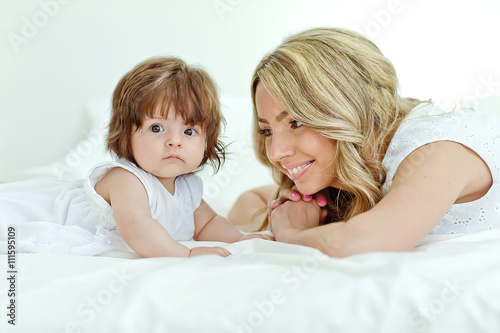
<point>212,227</point>
<point>146,236</point>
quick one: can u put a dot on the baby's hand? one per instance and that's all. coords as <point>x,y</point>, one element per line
<point>262,236</point>
<point>198,251</point>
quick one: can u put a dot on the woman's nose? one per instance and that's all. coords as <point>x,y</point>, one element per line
<point>280,147</point>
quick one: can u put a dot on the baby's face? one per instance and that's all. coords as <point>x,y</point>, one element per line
<point>168,147</point>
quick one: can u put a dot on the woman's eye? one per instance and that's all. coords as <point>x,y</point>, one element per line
<point>156,128</point>
<point>190,132</point>
<point>295,124</point>
<point>265,132</point>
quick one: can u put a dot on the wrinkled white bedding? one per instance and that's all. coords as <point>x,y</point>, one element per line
<point>447,284</point>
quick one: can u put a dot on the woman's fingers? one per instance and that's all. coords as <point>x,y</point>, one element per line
<point>283,196</point>
<point>288,194</point>
<point>293,195</point>
<point>320,199</point>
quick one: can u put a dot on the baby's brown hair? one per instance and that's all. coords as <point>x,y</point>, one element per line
<point>158,84</point>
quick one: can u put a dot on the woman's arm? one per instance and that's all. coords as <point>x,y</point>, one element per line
<point>146,236</point>
<point>425,186</point>
<point>250,209</point>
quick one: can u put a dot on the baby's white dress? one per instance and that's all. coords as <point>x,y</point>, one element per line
<point>478,131</point>
<point>58,216</point>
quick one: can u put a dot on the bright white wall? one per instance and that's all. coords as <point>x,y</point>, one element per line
<point>56,55</point>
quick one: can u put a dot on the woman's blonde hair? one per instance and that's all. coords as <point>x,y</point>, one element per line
<point>157,84</point>
<point>338,83</point>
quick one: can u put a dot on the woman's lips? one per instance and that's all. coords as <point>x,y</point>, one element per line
<point>296,171</point>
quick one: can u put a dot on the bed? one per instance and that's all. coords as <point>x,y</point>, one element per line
<point>448,283</point>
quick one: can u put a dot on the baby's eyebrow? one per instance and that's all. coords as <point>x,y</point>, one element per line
<point>279,117</point>
<point>155,117</point>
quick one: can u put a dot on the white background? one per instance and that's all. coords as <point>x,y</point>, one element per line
<point>57,56</point>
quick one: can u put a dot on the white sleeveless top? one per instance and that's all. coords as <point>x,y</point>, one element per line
<point>478,131</point>
<point>69,217</point>
<point>174,212</point>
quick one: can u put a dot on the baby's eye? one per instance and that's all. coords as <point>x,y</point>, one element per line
<point>295,124</point>
<point>190,132</point>
<point>265,132</point>
<point>156,129</point>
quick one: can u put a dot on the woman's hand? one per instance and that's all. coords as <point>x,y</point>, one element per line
<point>197,251</point>
<point>294,216</point>
<point>293,195</point>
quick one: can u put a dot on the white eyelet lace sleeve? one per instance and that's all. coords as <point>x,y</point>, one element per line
<point>478,131</point>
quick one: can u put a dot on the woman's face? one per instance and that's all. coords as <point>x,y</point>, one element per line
<point>306,156</point>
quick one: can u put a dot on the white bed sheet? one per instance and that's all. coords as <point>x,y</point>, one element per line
<point>447,284</point>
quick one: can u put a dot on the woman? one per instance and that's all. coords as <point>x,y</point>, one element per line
<point>329,122</point>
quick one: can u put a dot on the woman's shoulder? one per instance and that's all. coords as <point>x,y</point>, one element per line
<point>428,123</point>
<point>432,116</point>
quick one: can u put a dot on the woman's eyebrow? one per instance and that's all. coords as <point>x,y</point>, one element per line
<point>279,117</point>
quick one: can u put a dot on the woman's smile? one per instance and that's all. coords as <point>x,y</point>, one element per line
<point>303,154</point>
<point>297,170</point>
